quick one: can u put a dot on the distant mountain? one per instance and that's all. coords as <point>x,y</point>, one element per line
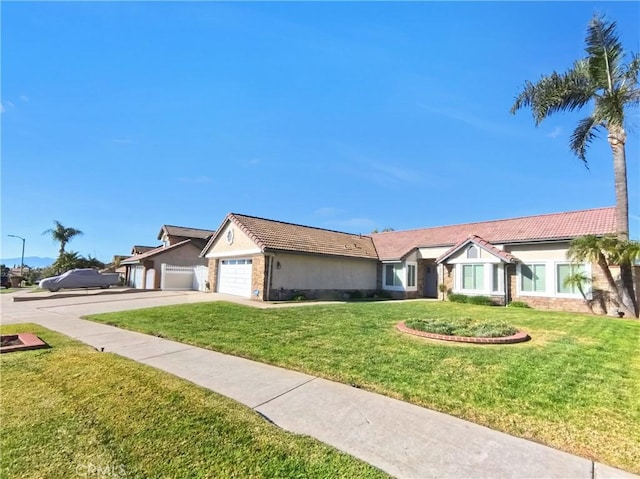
<point>33,261</point>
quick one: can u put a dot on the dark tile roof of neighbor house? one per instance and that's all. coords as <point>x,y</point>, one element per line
<point>556,226</point>
<point>142,249</point>
<point>272,235</point>
<point>185,232</point>
<point>156,251</point>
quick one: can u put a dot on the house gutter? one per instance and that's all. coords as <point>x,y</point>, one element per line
<point>268,285</point>
<point>506,285</point>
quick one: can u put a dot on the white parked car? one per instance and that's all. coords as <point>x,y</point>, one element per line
<point>80,278</point>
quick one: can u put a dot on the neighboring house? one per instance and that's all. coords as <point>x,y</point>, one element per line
<point>141,249</point>
<point>181,246</point>
<point>170,235</point>
<point>115,265</point>
<point>271,260</point>
<point>520,259</point>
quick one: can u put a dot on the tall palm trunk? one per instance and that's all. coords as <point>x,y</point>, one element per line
<point>617,139</point>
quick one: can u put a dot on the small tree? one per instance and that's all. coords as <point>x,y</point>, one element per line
<point>607,251</point>
<point>579,280</point>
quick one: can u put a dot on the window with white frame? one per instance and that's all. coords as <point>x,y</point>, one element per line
<point>393,274</point>
<point>473,277</point>
<point>473,252</point>
<point>533,278</point>
<point>411,275</point>
<point>566,270</point>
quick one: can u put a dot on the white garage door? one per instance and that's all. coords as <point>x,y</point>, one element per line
<point>136,278</point>
<point>234,277</point>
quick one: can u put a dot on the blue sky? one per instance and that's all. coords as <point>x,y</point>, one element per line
<point>119,117</point>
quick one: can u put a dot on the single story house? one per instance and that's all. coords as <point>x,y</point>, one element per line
<point>181,246</point>
<point>516,259</point>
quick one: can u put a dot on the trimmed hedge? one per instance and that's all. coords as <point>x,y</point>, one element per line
<point>463,298</point>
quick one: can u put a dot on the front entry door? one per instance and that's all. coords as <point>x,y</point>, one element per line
<point>430,281</point>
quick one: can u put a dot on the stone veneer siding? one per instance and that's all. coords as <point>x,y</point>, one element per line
<point>213,274</point>
<point>258,276</point>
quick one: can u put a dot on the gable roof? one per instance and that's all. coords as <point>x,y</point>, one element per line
<point>185,232</point>
<point>556,226</point>
<point>142,249</point>
<point>485,245</point>
<point>156,251</point>
<point>271,235</point>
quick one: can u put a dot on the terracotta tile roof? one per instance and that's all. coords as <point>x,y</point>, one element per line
<point>185,232</point>
<point>272,235</point>
<point>397,244</point>
<point>160,249</point>
<point>503,255</point>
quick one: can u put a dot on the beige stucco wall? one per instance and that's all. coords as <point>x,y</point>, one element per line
<point>322,272</point>
<point>242,244</point>
<point>528,252</point>
<point>432,253</point>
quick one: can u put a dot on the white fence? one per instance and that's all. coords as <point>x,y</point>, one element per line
<point>183,278</point>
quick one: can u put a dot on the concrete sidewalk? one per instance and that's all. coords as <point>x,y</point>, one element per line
<point>402,439</point>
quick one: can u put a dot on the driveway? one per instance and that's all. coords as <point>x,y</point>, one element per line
<point>80,303</point>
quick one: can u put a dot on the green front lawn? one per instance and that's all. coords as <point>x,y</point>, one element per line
<point>71,411</point>
<point>575,386</point>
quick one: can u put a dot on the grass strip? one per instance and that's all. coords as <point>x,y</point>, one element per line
<point>71,411</point>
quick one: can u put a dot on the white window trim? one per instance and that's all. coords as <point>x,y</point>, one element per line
<point>588,289</point>
<point>551,280</point>
<point>403,276</point>
<point>487,279</point>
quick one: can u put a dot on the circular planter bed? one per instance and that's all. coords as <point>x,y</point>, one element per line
<point>517,337</point>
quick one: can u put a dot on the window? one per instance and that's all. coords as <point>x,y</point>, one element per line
<point>472,252</point>
<point>473,276</point>
<point>393,274</point>
<point>495,277</point>
<point>563,271</point>
<point>533,278</point>
<point>411,275</point>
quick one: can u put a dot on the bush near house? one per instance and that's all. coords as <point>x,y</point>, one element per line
<point>477,300</point>
<point>518,304</point>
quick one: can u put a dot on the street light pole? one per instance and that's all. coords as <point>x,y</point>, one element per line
<point>22,257</point>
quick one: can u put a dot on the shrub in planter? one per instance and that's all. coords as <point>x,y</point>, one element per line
<point>466,327</point>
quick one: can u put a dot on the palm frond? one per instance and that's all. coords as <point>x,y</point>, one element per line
<point>556,92</point>
<point>604,53</point>
<point>582,137</point>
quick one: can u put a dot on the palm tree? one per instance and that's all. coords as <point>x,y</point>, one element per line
<point>603,80</point>
<point>606,251</point>
<point>61,234</point>
<point>66,261</point>
<point>578,280</point>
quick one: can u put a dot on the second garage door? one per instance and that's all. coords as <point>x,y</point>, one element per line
<point>234,277</point>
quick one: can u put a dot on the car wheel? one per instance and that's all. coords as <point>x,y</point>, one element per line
<point>104,287</point>
<point>53,290</point>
